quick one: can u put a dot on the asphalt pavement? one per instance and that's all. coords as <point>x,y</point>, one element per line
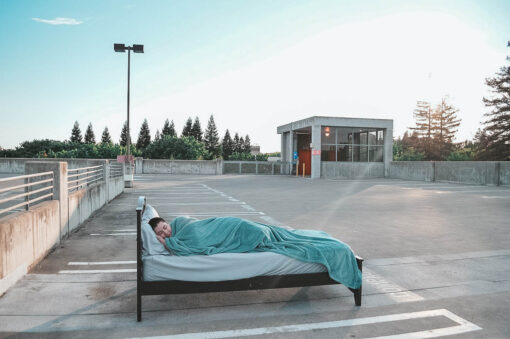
<point>437,263</point>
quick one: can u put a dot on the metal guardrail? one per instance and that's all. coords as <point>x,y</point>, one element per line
<point>84,176</point>
<point>116,170</point>
<point>29,190</point>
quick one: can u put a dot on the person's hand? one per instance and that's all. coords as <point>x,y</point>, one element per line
<point>161,240</point>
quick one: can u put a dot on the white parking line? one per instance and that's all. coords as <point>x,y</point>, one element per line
<point>463,327</point>
<point>392,290</point>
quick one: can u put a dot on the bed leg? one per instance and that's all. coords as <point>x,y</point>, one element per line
<point>357,296</point>
<point>138,306</point>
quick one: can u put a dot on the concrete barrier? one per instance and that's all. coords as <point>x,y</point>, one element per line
<point>352,170</point>
<point>25,239</point>
<point>504,173</point>
<point>492,173</point>
<point>412,170</point>
<point>17,165</point>
<point>207,167</point>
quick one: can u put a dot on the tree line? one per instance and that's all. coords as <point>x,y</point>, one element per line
<point>194,143</point>
<point>436,126</point>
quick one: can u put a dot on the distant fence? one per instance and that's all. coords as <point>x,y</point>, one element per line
<point>256,167</point>
<point>30,233</point>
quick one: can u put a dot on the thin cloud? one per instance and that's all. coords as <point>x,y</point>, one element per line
<point>59,21</point>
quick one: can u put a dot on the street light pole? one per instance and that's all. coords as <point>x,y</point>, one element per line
<point>128,142</point>
<point>136,49</point>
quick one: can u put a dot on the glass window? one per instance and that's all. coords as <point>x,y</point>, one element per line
<point>372,136</point>
<point>328,135</point>
<point>343,135</point>
<point>380,137</point>
<point>375,153</point>
<point>328,153</point>
<point>344,153</point>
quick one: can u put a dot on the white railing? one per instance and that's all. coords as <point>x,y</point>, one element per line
<point>83,177</point>
<point>29,190</point>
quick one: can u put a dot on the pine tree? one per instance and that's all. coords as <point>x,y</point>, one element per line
<point>144,137</point>
<point>76,133</point>
<point>166,128</point>
<point>90,137</point>
<point>157,136</point>
<point>227,145</point>
<point>242,148</point>
<point>123,136</point>
<point>186,131</point>
<point>196,130</point>
<point>496,133</point>
<point>211,139</point>
<point>247,144</point>
<point>172,131</point>
<point>237,145</point>
<point>424,129</point>
<point>445,127</point>
<point>105,137</point>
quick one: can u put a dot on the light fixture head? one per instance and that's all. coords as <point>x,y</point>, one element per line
<point>138,48</point>
<point>119,48</point>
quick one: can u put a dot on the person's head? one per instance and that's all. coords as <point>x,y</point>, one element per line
<point>161,227</point>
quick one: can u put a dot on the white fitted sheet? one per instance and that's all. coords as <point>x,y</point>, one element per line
<point>223,266</point>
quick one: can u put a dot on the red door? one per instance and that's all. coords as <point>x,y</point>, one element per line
<point>305,157</point>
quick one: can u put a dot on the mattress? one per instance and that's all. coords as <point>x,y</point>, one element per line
<point>223,266</point>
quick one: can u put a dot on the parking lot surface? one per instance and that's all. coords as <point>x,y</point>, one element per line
<point>437,263</point>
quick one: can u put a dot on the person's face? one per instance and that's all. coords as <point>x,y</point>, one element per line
<point>163,229</point>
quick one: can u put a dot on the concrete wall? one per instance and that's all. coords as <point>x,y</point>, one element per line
<point>25,239</point>
<point>504,173</point>
<point>17,165</point>
<point>352,170</point>
<point>208,167</point>
<point>412,170</point>
<point>490,173</point>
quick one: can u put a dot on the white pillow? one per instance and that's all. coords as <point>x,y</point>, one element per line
<point>150,244</point>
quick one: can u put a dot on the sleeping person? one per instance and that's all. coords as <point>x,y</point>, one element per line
<point>189,236</point>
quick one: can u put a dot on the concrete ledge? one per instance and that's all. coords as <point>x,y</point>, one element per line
<point>25,239</point>
<point>207,167</point>
<point>412,170</point>
<point>352,170</point>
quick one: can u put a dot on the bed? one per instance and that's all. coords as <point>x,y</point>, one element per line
<point>159,273</point>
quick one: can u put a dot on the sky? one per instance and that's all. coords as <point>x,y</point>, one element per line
<point>253,64</point>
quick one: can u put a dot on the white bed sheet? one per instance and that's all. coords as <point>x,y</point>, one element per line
<point>223,266</point>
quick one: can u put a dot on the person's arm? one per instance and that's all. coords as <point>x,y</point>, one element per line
<point>162,241</point>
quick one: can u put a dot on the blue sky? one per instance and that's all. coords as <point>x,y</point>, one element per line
<point>253,64</point>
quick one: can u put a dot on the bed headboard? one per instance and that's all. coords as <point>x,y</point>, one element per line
<point>140,208</point>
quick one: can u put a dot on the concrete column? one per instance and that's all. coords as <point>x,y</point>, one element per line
<point>106,180</point>
<point>290,150</point>
<point>316,146</point>
<point>388,151</point>
<point>138,165</point>
<point>60,191</point>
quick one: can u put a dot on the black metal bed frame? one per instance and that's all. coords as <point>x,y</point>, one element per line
<point>255,283</point>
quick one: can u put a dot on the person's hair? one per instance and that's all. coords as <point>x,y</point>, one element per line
<point>155,221</point>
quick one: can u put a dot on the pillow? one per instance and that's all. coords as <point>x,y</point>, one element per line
<point>150,244</point>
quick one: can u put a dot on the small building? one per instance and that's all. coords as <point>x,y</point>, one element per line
<point>334,147</point>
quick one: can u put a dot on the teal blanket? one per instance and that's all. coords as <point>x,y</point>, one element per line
<point>234,235</point>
